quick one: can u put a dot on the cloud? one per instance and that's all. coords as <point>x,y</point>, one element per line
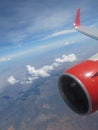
<point>45,70</point>
<point>12,80</point>
<point>65,58</point>
<point>42,72</point>
<point>63,32</point>
<point>4,59</point>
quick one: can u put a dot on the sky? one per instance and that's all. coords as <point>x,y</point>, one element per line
<point>34,22</point>
<point>36,30</point>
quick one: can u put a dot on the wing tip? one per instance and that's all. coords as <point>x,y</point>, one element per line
<point>77,19</point>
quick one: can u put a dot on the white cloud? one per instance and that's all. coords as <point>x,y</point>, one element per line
<point>42,72</point>
<point>45,70</point>
<point>63,32</point>
<point>65,58</point>
<point>12,80</point>
<point>4,59</point>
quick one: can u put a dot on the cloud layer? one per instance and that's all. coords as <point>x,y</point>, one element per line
<point>46,70</point>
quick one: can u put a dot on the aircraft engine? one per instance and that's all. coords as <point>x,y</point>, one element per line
<point>79,87</point>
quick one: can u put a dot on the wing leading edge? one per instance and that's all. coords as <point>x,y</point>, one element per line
<point>89,31</point>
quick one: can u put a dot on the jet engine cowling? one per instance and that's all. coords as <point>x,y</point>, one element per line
<point>79,87</point>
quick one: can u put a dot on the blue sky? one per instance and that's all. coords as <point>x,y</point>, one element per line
<point>34,22</point>
<point>38,31</point>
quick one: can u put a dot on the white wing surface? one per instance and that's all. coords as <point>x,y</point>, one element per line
<point>89,31</point>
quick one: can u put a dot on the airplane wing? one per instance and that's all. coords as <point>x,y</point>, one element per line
<point>89,31</point>
<point>78,85</point>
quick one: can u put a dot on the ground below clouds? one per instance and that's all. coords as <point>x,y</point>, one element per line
<point>40,107</point>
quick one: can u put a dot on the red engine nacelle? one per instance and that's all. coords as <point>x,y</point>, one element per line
<point>79,87</point>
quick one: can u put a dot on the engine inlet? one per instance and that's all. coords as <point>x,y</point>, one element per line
<point>74,94</point>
